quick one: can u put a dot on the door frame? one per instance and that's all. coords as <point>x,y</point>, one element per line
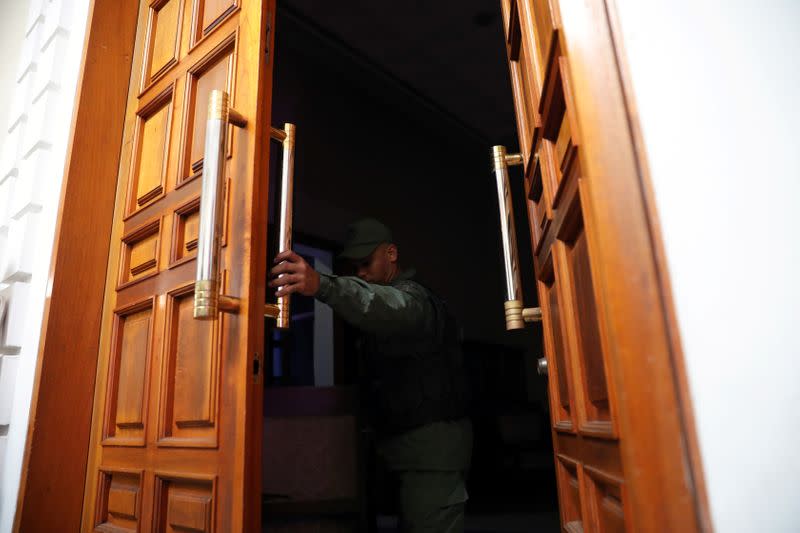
<point>56,449</point>
<point>57,445</point>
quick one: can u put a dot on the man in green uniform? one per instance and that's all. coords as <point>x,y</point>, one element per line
<point>417,384</point>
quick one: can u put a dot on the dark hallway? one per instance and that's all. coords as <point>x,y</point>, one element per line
<point>406,137</point>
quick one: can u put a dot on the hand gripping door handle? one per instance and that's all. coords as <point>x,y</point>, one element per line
<point>516,314</point>
<point>281,311</point>
<point>207,298</point>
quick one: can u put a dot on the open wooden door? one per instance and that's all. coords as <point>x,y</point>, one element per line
<point>176,426</point>
<point>619,435</point>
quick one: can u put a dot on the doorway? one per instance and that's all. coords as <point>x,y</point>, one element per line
<point>656,440</point>
<point>408,144</point>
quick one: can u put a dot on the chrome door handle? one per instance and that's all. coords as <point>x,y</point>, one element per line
<point>281,311</point>
<point>207,298</point>
<point>541,366</point>
<point>516,314</point>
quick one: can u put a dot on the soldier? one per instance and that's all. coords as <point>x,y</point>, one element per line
<point>417,385</point>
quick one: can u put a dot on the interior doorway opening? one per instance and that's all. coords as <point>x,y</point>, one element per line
<point>389,131</point>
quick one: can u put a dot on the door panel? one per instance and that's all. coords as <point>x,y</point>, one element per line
<point>214,71</point>
<point>209,14</point>
<point>591,487</point>
<point>163,46</point>
<point>189,374</point>
<point>175,437</point>
<point>572,251</point>
<point>569,487</point>
<point>604,495</point>
<point>523,66</point>
<point>538,212</point>
<point>131,358</point>
<point>121,495</point>
<point>618,433</point>
<point>558,367</point>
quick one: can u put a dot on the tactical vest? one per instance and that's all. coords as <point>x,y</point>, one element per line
<point>414,381</point>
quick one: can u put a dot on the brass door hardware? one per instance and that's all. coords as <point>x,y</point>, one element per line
<point>208,301</point>
<point>271,311</point>
<point>281,311</point>
<point>207,298</point>
<point>541,366</point>
<point>516,314</point>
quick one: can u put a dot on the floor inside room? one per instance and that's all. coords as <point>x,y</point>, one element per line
<point>493,523</point>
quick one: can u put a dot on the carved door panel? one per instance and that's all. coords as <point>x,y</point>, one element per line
<point>620,443</point>
<point>176,426</point>
<point>591,483</point>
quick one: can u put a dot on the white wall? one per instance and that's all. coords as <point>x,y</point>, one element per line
<point>12,32</point>
<point>717,86</point>
<point>37,101</point>
<point>13,16</point>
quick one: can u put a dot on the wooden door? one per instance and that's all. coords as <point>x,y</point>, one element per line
<point>620,456</point>
<point>176,428</point>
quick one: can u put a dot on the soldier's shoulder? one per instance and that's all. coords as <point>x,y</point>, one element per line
<point>419,289</point>
<point>411,285</point>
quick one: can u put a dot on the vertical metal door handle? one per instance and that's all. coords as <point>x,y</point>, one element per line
<point>281,312</point>
<point>516,314</point>
<point>207,298</point>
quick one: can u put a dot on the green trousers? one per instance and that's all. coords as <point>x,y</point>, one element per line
<point>432,502</point>
<point>431,463</point>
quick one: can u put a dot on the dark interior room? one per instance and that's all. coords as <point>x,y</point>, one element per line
<point>396,113</point>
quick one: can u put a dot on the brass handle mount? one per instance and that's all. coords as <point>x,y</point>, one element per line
<point>208,301</point>
<point>516,314</point>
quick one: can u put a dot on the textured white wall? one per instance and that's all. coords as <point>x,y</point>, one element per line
<point>12,33</point>
<point>38,114</point>
<point>13,15</point>
<point>716,85</point>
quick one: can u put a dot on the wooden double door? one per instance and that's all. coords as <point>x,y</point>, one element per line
<point>176,434</point>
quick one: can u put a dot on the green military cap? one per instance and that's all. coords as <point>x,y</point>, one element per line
<point>363,236</point>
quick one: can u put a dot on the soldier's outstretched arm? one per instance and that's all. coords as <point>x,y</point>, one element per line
<point>370,307</point>
<point>378,309</point>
